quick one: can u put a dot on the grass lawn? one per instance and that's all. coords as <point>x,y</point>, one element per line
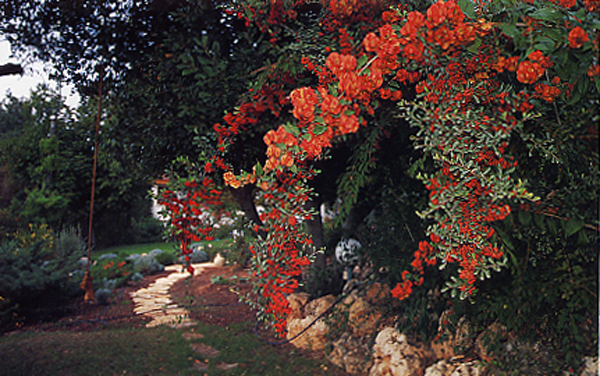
<point>158,351</point>
<point>126,250</point>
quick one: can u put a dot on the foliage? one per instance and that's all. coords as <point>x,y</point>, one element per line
<point>49,157</point>
<point>474,87</point>
<point>147,229</point>
<point>165,258</point>
<point>147,265</point>
<point>36,278</point>
<point>114,269</point>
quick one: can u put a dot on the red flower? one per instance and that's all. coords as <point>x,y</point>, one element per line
<point>436,14</point>
<point>577,37</point>
<point>529,72</point>
<point>402,290</point>
<point>371,42</point>
<point>414,50</point>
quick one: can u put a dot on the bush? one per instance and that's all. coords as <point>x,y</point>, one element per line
<point>147,230</point>
<point>36,279</point>
<point>69,241</point>
<point>198,255</point>
<point>111,267</point>
<point>155,252</point>
<point>165,258</point>
<point>147,264</point>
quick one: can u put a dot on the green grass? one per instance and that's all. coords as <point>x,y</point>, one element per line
<point>173,247</point>
<point>126,250</point>
<point>103,352</point>
<point>159,351</point>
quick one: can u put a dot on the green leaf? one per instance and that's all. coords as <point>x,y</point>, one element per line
<point>474,47</point>
<point>524,217</point>
<point>544,44</point>
<point>259,169</point>
<point>362,61</point>
<point>547,14</point>
<point>572,226</point>
<point>506,240</point>
<point>289,128</point>
<point>539,221</point>
<point>319,129</point>
<point>468,8</point>
<point>510,30</point>
<point>582,238</point>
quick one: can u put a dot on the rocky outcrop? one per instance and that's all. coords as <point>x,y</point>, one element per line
<point>352,354</point>
<point>305,317</point>
<point>358,336</point>
<point>394,356</point>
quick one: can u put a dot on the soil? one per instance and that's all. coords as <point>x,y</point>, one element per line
<point>212,303</point>
<point>216,303</point>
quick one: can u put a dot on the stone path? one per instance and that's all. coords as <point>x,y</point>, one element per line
<point>155,301</point>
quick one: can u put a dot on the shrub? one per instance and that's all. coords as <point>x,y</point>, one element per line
<point>165,258</point>
<point>111,267</point>
<point>148,230</point>
<point>104,293</point>
<point>155,252</point>
<point>198,255</point>
<point>69,241</point>
<point>147,264</point>
<point>37,280</point>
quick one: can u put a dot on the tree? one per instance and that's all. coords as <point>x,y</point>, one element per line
<point>48,149</point>
<point>8,69</point>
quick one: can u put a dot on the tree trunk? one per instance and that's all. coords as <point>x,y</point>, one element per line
<point>244,196</point>
<point>314,228</point>
<point>7,69</point>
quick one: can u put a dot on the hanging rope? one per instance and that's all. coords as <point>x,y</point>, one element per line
<point>88,284</point>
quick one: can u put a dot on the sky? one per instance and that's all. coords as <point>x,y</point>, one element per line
<point>33,75</point>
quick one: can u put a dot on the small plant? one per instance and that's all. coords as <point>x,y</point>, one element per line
<point>112,267</point>
<point>36,279</point>
<point>198,255</point>
<point>220,280</point>
<point>147,264</point>
<point>104,293</point>
<point>165,258</point>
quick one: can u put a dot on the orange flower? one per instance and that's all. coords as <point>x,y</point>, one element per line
<point>402,290</point>
<point>547,93</point>
<point>348,124</point>
<point>436,14</point>
<point>529,72</point>
<point>273,151</point>
<point>414,50</point>
<point>350,84</point>
<point>511,63</point>
<point>286,160</point>
<point>371,42</point>
<point>577,37</point>
<point>231,180</point>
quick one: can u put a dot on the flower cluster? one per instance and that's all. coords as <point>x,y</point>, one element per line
<point>188,206</point>
<point>278,260</point>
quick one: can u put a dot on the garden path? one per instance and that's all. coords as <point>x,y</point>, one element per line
<point>155,302</point>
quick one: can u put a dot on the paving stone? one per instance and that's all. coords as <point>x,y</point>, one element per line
<point>205,350</point>
<point>226,366</point>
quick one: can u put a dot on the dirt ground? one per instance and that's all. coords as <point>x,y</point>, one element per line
<point>216,303</point>
<point>212,303</point>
